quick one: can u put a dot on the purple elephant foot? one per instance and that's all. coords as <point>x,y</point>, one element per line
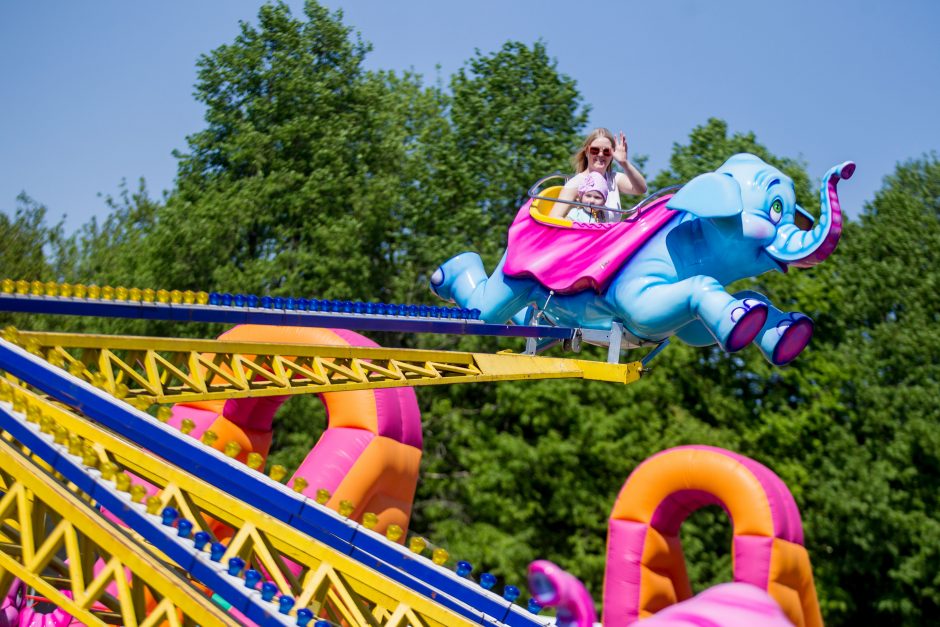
<point>748,318</point>
<point>788,338</point>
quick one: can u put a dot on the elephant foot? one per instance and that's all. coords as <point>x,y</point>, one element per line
<point>783,342</point>
<point>455,279</point>
<point>748,317</point>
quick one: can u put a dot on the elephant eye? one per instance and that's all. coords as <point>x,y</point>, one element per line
<point>776,211</point>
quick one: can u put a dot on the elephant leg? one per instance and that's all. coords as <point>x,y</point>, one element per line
<point>784,335</point>
<point>463,280</point>
<point>659,309</point>
<point>695,334</point>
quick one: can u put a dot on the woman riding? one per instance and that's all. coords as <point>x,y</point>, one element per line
<point>598,154</point>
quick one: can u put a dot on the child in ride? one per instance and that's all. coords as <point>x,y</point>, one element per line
<point>591,191</point>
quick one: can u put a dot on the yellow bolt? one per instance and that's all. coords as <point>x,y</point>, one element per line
<point>120,293</point>
<point>187,425</point>
<point>36,288</point>
<point>393,532</point>
<point>233,448</point>
<point>107,292</point>
<point>134,294</point>
<point>33,413</point>
<point>140,402</point>
<point>164,414</point>
<point>108,470</point>
<point>33,346</point>
<point>370,520</point>
<point>163,296</point>
<point>65,290</point>
<point>22,287</point>
<point>76,368</point>
<point>94,291</point>
<point>189,297</point>
<point>440,556</point>
<point>122,482</point>
<point>11,334</point>
<point>8,286</point>
<point>209,437</point>
<point>79,290</point>
<point>6,392</point>
<point>202,298</point>
<point>90,457</point>
<point>19,400</point>
<point>60,435</point>
<point>147,295</point>
<point>138,492</point>
<point>120,390</point>
<point>154,505</point>
<point>52,288</point>
<point>417,544</point>
<point>346,508</point>
<point>323,495</point>
<point>75,444</point>
<point>300,484</point>
<point>277,472</point>
<point>254,461</point>
<point>46,424</point>
<point>55,358</point>
<point>176,297</point>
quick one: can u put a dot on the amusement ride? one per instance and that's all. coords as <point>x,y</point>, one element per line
<point>134,483</point>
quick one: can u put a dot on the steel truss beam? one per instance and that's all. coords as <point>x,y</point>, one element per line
<point>320,578</point>
<point>161,370</point>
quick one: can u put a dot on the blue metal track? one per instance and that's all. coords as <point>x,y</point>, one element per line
<point>277,317</point>
<point>419,574</point>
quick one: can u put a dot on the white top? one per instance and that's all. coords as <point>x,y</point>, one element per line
<point>583,214</point>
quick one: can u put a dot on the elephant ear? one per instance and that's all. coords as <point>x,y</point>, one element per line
<point>709,196</point>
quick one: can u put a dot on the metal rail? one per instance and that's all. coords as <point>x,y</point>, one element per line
<point>253,489</point>
<point>162,370</point>
<point>71,306</point>
<point>318,578</point>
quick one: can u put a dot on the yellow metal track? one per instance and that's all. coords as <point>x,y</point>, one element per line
<point>326,581</point>
<point>160,370</point>
<point>50,536</point>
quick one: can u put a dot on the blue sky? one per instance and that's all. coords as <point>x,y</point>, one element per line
<point>93,92</point>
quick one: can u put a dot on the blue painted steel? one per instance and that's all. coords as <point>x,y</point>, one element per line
<point>180,551</point>
<point>458,594</point>
<point>327,316</point>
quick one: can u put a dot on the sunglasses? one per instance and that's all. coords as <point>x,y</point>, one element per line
<point>596,151</point>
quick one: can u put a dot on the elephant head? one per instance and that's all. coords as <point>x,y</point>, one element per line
<point>750,198</point>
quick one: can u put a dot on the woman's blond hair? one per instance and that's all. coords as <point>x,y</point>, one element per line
<point>580,159</point>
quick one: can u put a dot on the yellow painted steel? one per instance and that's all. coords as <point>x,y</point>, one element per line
<point>322,579</point>
<point>48,537</point>
<point>161,370</point>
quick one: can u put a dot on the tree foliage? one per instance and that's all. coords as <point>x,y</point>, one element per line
<point>314,176</point>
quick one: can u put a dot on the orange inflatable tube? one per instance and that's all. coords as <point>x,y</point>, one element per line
<point>370,452</point>
<point>645,566</point>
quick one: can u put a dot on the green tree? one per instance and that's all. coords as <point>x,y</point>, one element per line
<point>32,249</point>
<point>515,119</point>
<point>297,185</point>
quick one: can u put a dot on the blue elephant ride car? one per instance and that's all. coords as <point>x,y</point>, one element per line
<point>662,272</point>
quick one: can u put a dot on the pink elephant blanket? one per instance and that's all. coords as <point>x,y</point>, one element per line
<point>581,256</point>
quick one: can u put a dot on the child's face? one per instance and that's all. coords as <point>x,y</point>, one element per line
<point>592,198</point>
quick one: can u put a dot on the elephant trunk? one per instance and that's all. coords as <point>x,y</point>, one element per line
<point>804,249</point>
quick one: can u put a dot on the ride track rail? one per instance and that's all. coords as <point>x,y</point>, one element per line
<point>320,578</point>
<point>161,370</point>
<point>182,312</point>
<point>420,575</point>
<point>355,576</point>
